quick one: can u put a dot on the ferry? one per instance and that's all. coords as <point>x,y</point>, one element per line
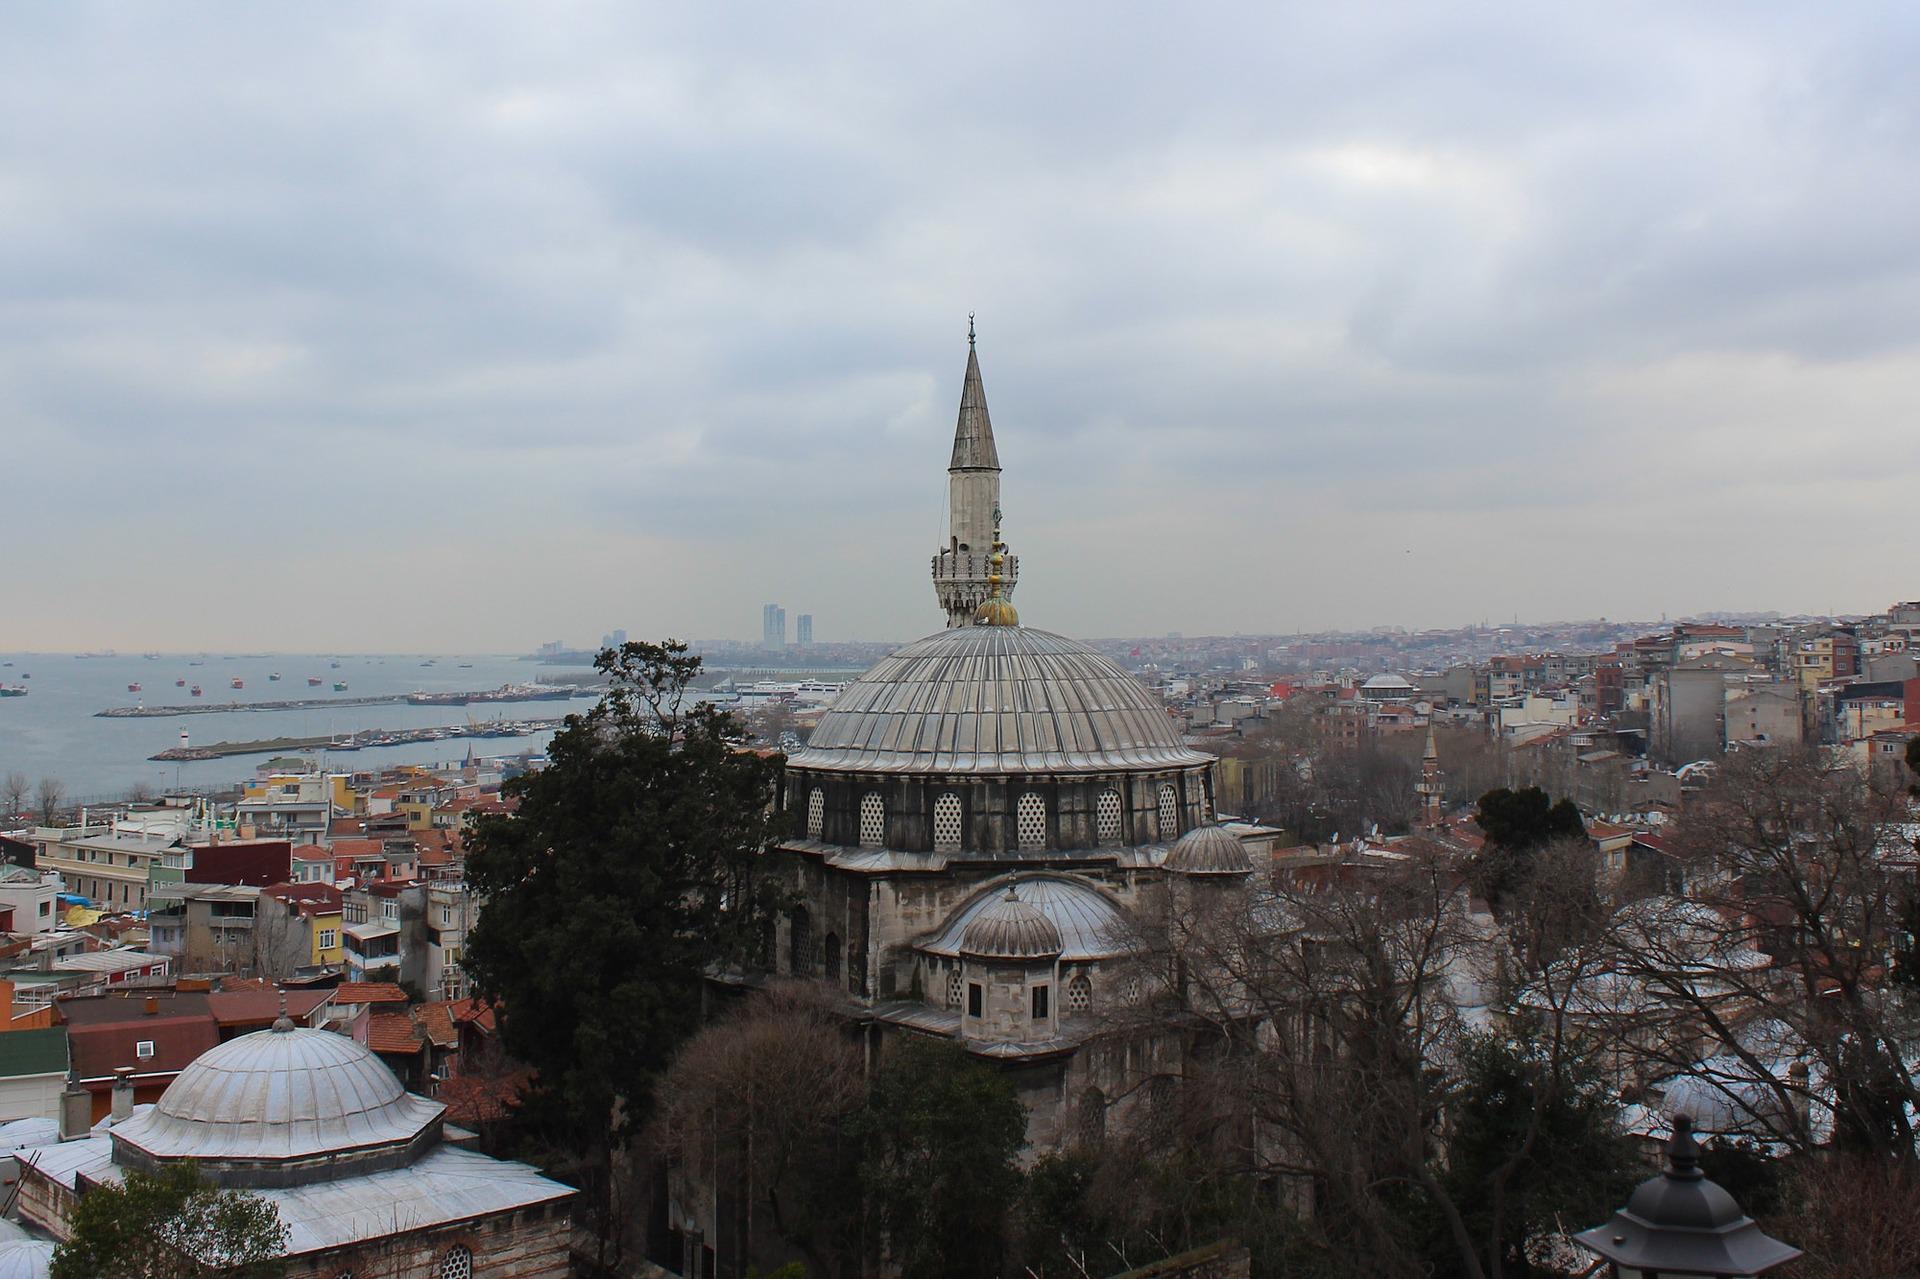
<point>133,688</point>
<point>314,681</point>
<point>179,683</point>
<point>13,690</point>
<point>195,690</point>
<point>339,686</point>
<point>334,665</point>
<point>237,682</point>
<point>273,678</point>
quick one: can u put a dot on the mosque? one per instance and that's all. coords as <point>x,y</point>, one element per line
<point>989,821</point>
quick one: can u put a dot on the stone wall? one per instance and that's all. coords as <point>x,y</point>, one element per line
<point>529,1244</point>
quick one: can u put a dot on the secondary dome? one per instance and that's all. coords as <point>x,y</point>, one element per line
<point>1208,850</point>
<point>1089,924</point>
<point>1011,929</point>
<point>995,699</point>
<point>290,1093</point>
<point>26,1259</point>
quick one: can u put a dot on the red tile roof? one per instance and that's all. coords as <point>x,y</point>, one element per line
<point>389,1032</point>
<point>438,1023</point>
<point>476,1099</point>
<point>368,992</point>
<point>261,1007</point>
<point>467,1012</point>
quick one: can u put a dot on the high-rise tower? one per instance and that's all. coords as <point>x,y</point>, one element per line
<point>962,568</point>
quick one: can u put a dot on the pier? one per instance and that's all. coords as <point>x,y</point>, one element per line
<point>359,741</point>
<point>525,693</point>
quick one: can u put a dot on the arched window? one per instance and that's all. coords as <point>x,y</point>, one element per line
<point>1079,995</point>
<point>833,957</point>
<point>1031,820</point>
<point>1169,812</point>
<point>946,822</point>
<point>873,821</point>
<point>457,1264</point>
<point>816,813</point>
<point>800,943</point>
<point>954,989</point>
<point>1092,1119</point>
<point>1106,817</point>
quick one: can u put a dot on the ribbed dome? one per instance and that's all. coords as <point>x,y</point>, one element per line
<point>995,699</point>
<point>26,1259</point>
<point>276,1095</point>
<point>1208,850</point>
<point>1011,929</point>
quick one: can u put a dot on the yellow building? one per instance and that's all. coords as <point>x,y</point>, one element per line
<point>299,926</point>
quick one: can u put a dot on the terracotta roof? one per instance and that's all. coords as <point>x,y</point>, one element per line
<point>368,992</point>
<point>350,848</point>
<point>261,1007</point>
<point>475,1012</point>
<point>437,1021</point>
<point>394,1033</point>
<point>310,899</point>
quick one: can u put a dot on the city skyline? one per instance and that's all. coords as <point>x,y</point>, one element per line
<point>1329,321</point>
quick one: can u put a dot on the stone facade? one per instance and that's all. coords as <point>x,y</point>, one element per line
<point>530,1244</point>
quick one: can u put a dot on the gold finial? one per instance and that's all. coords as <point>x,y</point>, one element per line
<point>969,330</point>
<point>996,609</point>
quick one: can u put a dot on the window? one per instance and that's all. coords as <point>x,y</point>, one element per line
<point>328,938</point>
<point>1092,1122</point>
<point>1130,993</point>
<point>1169,812</point>
<point>833,957</point>
<point>457,1264</point>
<point>1079,994</point>
<point>1039,1003</point>
<point>143,1050</point>
<point>946,822</point>
<point>816,812</point>
<point>1106,817</point>
<point>800,943</point>
<point>873,821</point>
<point>973,999</point>
<point>953,990</point>
<point>1030,816</point>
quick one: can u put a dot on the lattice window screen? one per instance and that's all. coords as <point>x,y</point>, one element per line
<point>457,1264</point>
<point>955,990</point>
<point>946,822</point>
<point>1169,813</point>
<point>1106,814</point>
<point>816,813</point>
<point>1079,994</point>
<point>1031,818</point>
<point>873,821</point>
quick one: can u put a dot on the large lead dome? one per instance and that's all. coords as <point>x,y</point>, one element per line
<point>995,699</point>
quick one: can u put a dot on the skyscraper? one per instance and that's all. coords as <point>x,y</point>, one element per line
<point>773,626</point>
<point>803,629</point>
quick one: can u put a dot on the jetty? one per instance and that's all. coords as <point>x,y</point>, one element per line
<point>511,693</point>
<point>365,738</point>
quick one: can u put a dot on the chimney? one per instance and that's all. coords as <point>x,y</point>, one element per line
<point>122,1093</point>
<point>76,1113</point>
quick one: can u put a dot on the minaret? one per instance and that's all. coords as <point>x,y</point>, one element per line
<point>961,570</point>
<point>1432,787</point>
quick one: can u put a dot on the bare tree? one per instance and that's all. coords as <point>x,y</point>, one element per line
<point>749,1102</point>
<point>48,796</point>
<point>1854,1216</point>
<point>1778,980</point>
<point>14,789</point>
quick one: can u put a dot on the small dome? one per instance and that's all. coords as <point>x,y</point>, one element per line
<point>277,1095</point>
<point>1011,929</point>
<point>1208,850</point>
<point>26,1259</point>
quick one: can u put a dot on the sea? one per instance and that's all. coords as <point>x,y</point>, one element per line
<point>54,730</point>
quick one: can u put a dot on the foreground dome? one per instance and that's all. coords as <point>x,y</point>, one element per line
<point>1011,929</point>
<point>1209,850</point>
<point>995,699</point>
<point>286,1094</point>
<point>1085,923</point>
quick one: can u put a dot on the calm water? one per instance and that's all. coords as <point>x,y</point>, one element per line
<point>53,732</point>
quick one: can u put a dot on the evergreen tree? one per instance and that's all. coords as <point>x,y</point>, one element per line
<point>629,870</point>
<point>1517,824</point>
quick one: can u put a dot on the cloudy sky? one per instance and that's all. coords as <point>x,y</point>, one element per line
<point>461,326</point>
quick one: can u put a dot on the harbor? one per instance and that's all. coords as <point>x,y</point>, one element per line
<point>359,741</point>
<point>506,693</point>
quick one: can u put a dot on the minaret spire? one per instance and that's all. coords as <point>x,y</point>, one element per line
<point>1432,788</point>
<point>962,569</point>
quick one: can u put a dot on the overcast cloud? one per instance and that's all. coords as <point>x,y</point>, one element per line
<point>470,325</point>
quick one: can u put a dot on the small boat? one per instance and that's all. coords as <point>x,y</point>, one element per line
<point>314,681</point>
<point>334,665</point>
<point>238,682</point>
<point>339,686</point>
<point>12,690</point>
<point>133,688</point>
<point>179,683</point>
<point>273,677</point>
<point>195,690</point>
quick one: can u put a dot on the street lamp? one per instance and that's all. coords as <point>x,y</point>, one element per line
<point>1679,1225</point>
